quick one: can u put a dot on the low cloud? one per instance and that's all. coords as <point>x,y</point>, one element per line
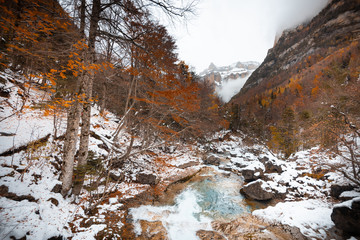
<point>230,88</point>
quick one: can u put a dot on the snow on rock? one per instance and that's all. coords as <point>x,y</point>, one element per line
<point>347,203</point>
<point>350,194</point>
<point>311,216</point>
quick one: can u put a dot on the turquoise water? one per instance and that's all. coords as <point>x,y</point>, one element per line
<point>219,197</point>
<point>216,196</point>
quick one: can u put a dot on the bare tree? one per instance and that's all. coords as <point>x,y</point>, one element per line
<point>105,20</point>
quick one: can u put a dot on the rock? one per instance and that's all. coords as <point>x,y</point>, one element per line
<point>56,238</point>
<point>252,175</point>
<point>152,230</point>
<point>233,154</point>
<point>271,167</point>
<point>4,192</point>
<point>336,190</point>
<point>226,168</point>
<point>264,159</point>
<point>212,160</point>
<point>258,190</point>
<point>117,177</point>
<point>146,178</point>
<point>57,188</point>
<point>54,201</point>
<point>348,195</point>
<point>188,164</point>
<point>209,235</point>
<point>347,218</point>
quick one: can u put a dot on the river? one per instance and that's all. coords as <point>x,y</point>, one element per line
<point>211,195</point>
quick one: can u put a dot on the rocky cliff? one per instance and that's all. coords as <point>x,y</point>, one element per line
<point>313,64</point>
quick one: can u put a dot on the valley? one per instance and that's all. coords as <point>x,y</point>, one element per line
<point>106,134</point>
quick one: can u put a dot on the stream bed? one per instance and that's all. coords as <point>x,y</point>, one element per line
<point>212,195</point>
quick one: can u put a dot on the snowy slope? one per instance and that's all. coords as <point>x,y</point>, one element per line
<point>30,205</point>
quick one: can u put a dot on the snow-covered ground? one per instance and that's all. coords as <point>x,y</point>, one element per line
<point>29,205</point>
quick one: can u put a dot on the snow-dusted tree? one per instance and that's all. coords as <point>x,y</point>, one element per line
<point>106,20</point>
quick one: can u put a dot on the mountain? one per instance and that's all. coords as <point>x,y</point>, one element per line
<point>228,80</point>
<point>310,70</point>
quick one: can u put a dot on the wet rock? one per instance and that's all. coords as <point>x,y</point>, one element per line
<point>251,227</point>
<point>152,230</point>
<point>146,178</point>
<point>209,235</point>
<point>188,164</point>
<point>336,190</point>
<point>212,160</point>
<point>252,174</point>
<point>292,231</point>
<point>258,190</point>
<point>347,217</point>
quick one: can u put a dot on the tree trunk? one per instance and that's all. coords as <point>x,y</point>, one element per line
<point>70,143</point>
<point>88,81</point>
<point>84,137</point>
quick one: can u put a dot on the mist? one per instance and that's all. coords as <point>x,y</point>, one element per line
<point>230,88</point>
<point>227,31</point>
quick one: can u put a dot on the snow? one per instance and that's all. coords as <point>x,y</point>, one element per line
<point>350,194</point>
<point>348,203</point>
<point>31,173</point>
<point>90,232</point>
<point>308,215</point>
<point>43,219</point>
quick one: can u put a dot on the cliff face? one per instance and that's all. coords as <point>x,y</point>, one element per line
<point>305,64</point>
<point>336,26</point>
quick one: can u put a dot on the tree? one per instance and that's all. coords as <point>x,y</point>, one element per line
<point>284,135</point>
<point>108,20</point>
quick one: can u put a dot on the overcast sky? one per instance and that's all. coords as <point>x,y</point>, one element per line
<point>227,31</point>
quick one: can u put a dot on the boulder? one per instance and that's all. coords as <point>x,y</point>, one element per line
<point>346,217</point>
<point>212,160</point>
<point>270,166</point>
<point>336,190</point>
<point>252,174</point>
<point>348,195</point>
<point>188,164</point>
<point>152,230</point>
<point>205,235</point>
<point>258,190</point>
<point>146,178</point>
